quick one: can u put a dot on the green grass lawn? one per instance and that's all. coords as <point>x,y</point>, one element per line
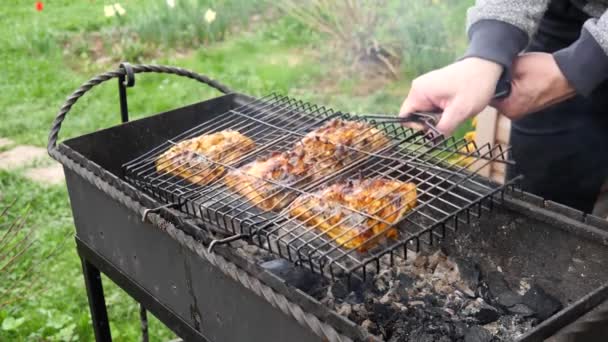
<point>41,67</point>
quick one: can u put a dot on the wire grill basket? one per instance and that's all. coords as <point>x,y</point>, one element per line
<point>354,202</point>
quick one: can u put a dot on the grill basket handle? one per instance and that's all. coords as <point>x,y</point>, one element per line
<point>122,71</point>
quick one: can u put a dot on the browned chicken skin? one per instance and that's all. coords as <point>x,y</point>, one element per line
<point>353,212</point>
<point>319,153</point>
<point>193,159</point>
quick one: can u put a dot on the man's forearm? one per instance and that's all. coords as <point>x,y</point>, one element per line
<point>500,29</point>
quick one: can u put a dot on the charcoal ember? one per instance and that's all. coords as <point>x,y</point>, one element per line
<point>344,309</point>
<point>370,326</point>
<point>521,309</point>
<point>435,259</point>
<point>470,275</point>
<point>354,298</point>
<point>496,283</point>
<point>358,313</point>
<point>293,275</point>
<point>416,303</point>
<point>478,334</point>
<point>444,277</point>
<point>390,296</point>
<point>361,287</point>
<point>402,294</point>
<point>455,301</point>
<point>430,300</point>
<point>339,289</point>
<point>543,304</point>
<point>399,307</point>
<point>383,281</point>
<point>446,270</point>
<point>510,327</point>
<point>405,280</point>
<point>460,329</point>
<point>381,312</point>
<point>428,337</point>
<point>249,250</point>
<point>483,291</point>
<point>421,324</point>
<point>508,299</point>
<point>481,312</point>
<point>421,261</point>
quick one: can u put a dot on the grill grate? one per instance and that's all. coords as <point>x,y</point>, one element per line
<point>448,193</point>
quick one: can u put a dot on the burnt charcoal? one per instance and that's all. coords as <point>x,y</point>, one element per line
<point>405,280</point>
<point>421,261</point>
<point>469,273</point>
<point>510,326</point>
<point>358,313</point>
<point>381,312</point>
<point>478,334</point>
<point>293,275</point>
<point>361,287</point>
<point>460,329</point>
<point>481,312</point>
<point>430,300</point>
<point>354,298</point>
<point>371,327</point>
<point>420,323</point>
<point>382,282</point>
<point>404,296</point>
<point>508,299</point>
<point>429,337</point>
<point>483,291</point>
<point>344,309</point>
<point>339,289</point>
<point>496,283</point>
<point>521,309</point>
<point>543,304</point>
<point>487,314</point>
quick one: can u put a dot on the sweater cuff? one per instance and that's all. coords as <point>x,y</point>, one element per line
<point>584,63</point>
<point>496,41</point>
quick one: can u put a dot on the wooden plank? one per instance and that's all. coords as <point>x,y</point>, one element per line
<point>485,133</point>
<point>500,168</point>
<point>503,130</point>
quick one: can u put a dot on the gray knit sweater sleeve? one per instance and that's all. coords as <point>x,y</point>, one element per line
<point>500,29</point>
<point>585,62</point>
<point>523,14</point>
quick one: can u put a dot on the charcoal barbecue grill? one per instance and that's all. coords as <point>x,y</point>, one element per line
<point>178,261</point>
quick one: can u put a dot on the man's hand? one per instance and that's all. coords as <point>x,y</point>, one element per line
<point>459,90</point>
<point>537,83</point>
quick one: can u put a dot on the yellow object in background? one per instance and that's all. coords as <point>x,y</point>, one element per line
<point>462,159</point>
<point>469,136</point>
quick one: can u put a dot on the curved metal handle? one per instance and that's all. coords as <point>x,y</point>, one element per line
<point>128,70</point>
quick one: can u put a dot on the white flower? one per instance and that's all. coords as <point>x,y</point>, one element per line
<point>210,16</point>
<point>119,9</point>
<point>109,11</point>
<point>171,3</point>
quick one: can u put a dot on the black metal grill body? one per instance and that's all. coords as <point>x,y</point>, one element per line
<point>199,302</point>
<point>184,291</point>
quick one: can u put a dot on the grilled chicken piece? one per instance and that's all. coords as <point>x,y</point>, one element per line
<point>193,159</point>
<point>353,212</point>
<point>320,153</point>
<point>350,135</point>
<point>266,182</point>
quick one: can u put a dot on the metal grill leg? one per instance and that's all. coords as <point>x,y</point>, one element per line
<point>97,302</point>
